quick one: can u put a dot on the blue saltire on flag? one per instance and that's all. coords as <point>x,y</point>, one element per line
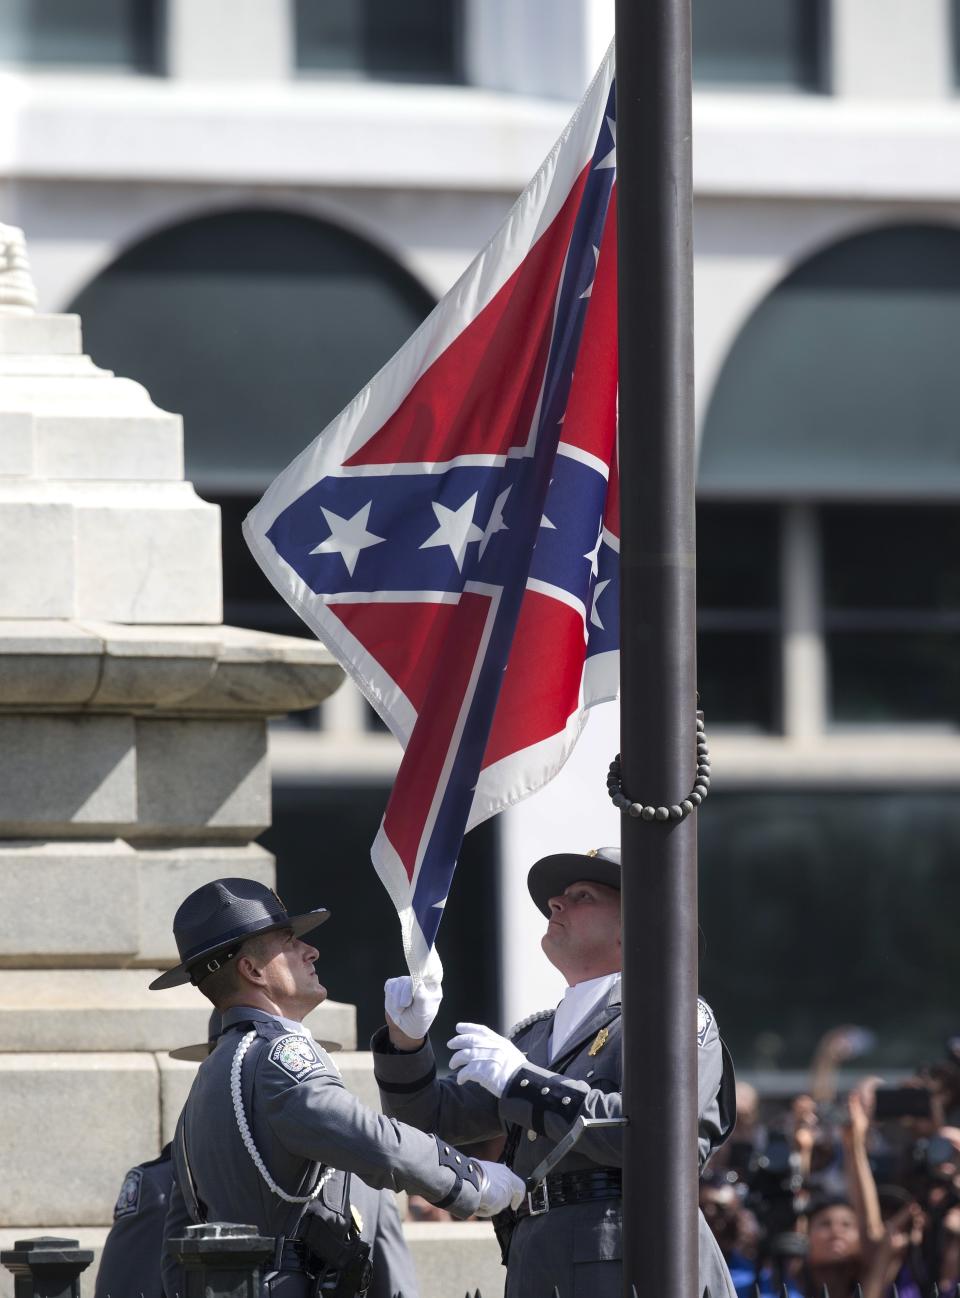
<point>453,535</point>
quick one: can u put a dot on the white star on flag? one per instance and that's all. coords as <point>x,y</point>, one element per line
<point>610,159</point>
<point>456,529</point>
<point>348,536</point>
<point>598,590</point>
<point>593,554</point>
<point>496,523</point>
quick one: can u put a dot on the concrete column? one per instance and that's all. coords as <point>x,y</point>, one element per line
<point>230,40</point>
<point>344,712</point>
<point>541,47</point>
<point>804,652</point>
<point>133,759</point>
<point>885,49</point>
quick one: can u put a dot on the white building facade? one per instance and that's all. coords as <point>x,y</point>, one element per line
<point>152,152</point>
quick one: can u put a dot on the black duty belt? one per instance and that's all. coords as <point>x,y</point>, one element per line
<point>563,1188</point>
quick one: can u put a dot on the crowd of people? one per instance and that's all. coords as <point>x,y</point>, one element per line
<point>832,1191</point>
<point>840,1192</point>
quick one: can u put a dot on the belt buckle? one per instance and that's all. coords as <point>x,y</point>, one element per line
<point>538,1200</point>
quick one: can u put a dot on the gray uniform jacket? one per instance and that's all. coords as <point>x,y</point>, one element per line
<point>576,1247</point>
<point>130,1263</point>
<point>300,1115</point>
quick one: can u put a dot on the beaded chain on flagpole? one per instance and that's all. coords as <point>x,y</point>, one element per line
<point>682,809</point>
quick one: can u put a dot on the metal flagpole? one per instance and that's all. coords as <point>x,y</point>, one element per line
<point>658,645</point>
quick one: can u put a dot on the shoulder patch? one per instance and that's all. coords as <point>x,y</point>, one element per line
<point>529,1021</point>
<point>128,1200</point>
<point>297,1056</point>
<point>704,1020</point>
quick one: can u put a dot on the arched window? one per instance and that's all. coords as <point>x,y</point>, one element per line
<point>828,480</point>
<point>257,326</point>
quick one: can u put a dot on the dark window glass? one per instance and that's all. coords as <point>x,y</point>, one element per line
<point>258,327</point>
<point>99,33</point>
<point>738,645</point>
<point>892,558</point>
<point>419,40</point>
<point>818,909</point>
<point>774,42</point>
<point>372,720</point>
<point>249,599</point>
<point>892,612</point>
<point>321,838</point>
<point>894,677</point>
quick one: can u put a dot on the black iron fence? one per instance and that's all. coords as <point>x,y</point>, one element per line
<point>46,1267</point>
<point>219,1261</point>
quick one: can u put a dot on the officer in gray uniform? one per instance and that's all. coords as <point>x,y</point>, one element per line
<point>268,1121</point>
<point>130,1263</point>
<point>131,1257</point>
<point>533,1084</point>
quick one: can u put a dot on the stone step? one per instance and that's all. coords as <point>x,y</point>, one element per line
<point>121,776</point>
<point>70,1126</point>
<point>449,1257</point>
<point>47,664</point>
<point>91,426</point>
<point>455,1257</point>
<point>57,366</point>
<point>109,447</point>
<point>39,335</point>
<point>99,903</point>
<point>123,552</point>
<point>104,1010</point>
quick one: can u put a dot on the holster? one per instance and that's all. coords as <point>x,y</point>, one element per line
<point>504,1224</point>
<point>338,1256</point>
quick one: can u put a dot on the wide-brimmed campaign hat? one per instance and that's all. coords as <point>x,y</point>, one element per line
<point>213,922</point>
<point>551,874</point>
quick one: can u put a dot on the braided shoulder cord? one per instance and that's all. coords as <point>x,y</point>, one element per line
<point>247,1137</point>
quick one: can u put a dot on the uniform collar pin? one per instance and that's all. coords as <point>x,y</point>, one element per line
<point>598,1042</point>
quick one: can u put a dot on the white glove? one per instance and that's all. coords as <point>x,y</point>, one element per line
<point>482,1056</point>
<point>414,1011</point>
<point>499,1189</point>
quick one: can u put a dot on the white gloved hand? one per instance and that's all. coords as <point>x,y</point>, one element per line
<point>413,1011</point>
<point>499,1188</point>
<point>483,1056</point>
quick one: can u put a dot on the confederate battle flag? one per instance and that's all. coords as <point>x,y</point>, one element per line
<point>453,535</point>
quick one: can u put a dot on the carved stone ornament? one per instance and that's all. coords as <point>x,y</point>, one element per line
<point>16,284</point>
